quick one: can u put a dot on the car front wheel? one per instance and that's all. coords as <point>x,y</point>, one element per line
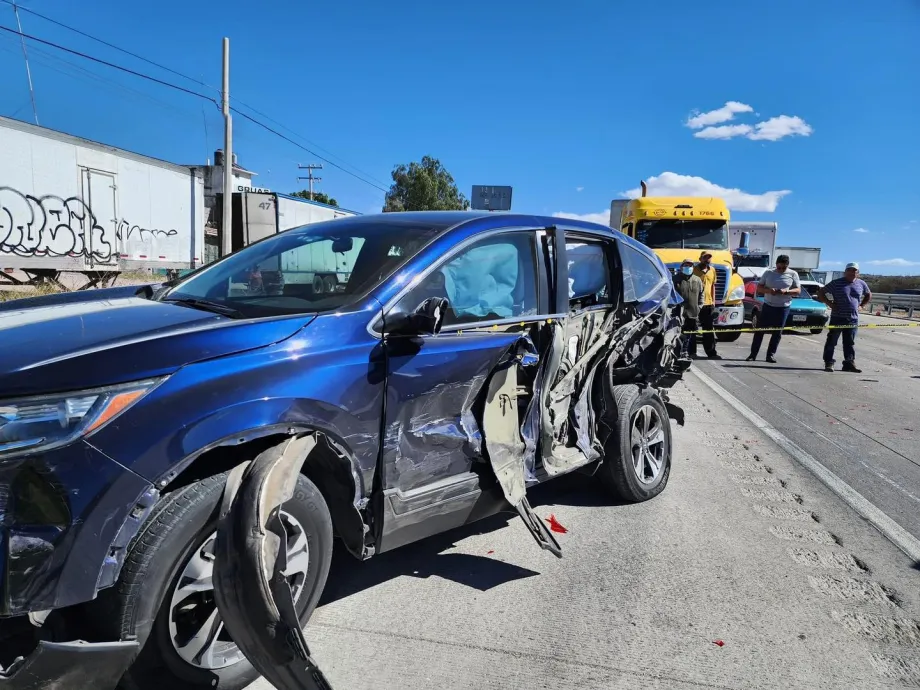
<point>637,455</point>
<point>165,594</point>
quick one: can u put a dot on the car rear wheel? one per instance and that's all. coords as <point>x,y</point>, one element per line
<point>755,319</point>
<point>816,331</point>
<point>165,595</point>
<point>637,455</point>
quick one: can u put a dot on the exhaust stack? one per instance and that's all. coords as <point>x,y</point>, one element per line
<point>644,187</point>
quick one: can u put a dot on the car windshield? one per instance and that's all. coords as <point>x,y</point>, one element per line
<point>810,290</point>
<point>683,234</point>
<point>317,267</point>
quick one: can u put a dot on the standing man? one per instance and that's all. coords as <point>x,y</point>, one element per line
<point>778,288</point>
<point>844,296</point>
<point>690,288</point>
<point>707,275</point>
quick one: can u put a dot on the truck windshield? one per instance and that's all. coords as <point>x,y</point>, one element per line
<point>319,267</point>
<point>753,261</point>
<point>683,234</point>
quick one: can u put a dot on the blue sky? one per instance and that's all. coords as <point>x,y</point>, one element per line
<point>806,112</point>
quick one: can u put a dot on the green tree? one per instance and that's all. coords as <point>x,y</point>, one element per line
<point>317,196</point>
<point>424,186</point>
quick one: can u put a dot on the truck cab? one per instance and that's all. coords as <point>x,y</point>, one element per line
<point>678,228</point>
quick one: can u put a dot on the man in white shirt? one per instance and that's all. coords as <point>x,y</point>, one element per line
<point>778,288</point>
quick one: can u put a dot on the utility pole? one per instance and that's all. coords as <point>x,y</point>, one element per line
<point>309,175</point>
<point>227,215</point>
<point>25,55</point>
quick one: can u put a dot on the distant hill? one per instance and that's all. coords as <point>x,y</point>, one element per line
<point>888,284</point>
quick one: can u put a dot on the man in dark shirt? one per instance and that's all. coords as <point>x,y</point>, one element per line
<point>844,296</point>
<point>690,288</point>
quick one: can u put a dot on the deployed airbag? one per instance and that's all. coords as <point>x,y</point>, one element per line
<point>482,281</point>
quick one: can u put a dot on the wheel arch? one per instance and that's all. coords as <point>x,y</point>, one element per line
<point>331,466</point>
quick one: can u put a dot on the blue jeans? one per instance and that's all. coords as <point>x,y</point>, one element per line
<point>770,317</point>
<point>849,339</point>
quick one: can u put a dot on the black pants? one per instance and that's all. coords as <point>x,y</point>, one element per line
<point>709,339</point>
<point>770,317</point>
<point>685,338</point>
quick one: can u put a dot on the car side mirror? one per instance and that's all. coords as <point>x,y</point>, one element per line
<point>427,319</point>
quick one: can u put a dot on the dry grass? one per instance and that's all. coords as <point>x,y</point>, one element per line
<point>11,292</point>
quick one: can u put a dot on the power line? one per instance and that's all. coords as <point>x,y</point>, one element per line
<point>301,146</point>
<point>106,43</point>
<point>200,83</point>
<point>109,64</point>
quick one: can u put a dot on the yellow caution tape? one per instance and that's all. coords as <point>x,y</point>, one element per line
<point>804,328</point>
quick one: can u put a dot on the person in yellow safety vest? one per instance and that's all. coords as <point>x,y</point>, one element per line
<point>707,274</point>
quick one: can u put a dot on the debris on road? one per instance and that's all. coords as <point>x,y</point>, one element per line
<point>555,525</point>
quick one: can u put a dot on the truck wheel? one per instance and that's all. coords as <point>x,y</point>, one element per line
<point>329,283</point>
<point>165,595</point>
<point>318,285</point>
<point>728,336</point>
<point>637,456</point>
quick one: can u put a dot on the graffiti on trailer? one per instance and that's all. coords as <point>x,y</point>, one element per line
<point>55,226</point>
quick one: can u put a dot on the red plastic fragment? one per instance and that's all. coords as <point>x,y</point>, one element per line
<point>555,525</point>
<point>489,551</point>
<point>718,643</point>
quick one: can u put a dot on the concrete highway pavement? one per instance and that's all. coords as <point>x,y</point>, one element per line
<point>747,572</point>
<point>864,427</point>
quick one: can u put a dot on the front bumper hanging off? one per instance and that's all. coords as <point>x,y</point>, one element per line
<point>70,666</point>
<point>253,596</point>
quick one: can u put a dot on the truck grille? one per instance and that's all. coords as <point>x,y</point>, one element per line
<point>721,282</point>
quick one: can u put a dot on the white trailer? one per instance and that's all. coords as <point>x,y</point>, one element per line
<point>72,205</point>
<point>319,264</point>
<point>801,258</point>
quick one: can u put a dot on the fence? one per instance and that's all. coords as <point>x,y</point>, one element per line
<point>906,303</point>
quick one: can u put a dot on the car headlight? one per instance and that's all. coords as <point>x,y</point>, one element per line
<point>43,422</point>
<point>736,294</point>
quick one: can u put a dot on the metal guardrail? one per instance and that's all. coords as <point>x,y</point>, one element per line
<point>907,303</point>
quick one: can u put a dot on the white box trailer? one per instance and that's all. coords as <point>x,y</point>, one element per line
<point>318,264</point>
<point>801,258</point>
<point>73,205</point>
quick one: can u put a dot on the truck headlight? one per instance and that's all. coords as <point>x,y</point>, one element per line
<point>44,422</point>
<point>736,294</point>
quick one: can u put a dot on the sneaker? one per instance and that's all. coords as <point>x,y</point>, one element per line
<point>829,368</point>
<point>771,359</point>
<point>751,358</point>
<point>851,367</point>
<point>714,356</point>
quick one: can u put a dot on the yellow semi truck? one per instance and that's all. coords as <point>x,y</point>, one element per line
<point>678,228</point>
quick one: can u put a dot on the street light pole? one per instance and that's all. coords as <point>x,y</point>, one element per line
<point>227,215</point>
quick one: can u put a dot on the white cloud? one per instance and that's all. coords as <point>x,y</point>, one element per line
<point>727,112</point>
<point>831,263</point>
<point>774,129</point>
<point>777,128</point>
<point>892,262</point>
<point>579,189</point>
<point>724,132</point>
<point>673,184</point>
<point>863,230</point>
<point>603,218</point>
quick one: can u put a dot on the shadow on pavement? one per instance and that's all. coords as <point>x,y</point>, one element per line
<point>426,558</point>
<point>775,367</point>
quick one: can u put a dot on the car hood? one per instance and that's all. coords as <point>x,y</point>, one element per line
<point>101,342</point>
<point>807,304</point>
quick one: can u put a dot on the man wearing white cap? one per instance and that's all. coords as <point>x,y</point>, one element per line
<point>844,296</point>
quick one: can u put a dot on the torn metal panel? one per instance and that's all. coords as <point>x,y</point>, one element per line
<point>70,665</point>
<point>253,596</point>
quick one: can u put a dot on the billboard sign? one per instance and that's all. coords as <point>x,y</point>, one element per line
<point>491,198</point>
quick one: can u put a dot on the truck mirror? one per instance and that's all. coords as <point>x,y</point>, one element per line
<point>341,245</point>
<point>745,241</point>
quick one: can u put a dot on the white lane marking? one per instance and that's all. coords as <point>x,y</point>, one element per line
<point>909,335</point>
<point>899,536</point>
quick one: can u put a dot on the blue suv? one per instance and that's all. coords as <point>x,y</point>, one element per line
<point>459,359</point>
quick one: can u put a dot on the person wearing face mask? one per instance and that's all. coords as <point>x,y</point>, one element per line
<point>690,288</point>
<point>707,275</point>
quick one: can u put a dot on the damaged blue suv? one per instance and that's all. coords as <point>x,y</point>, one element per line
<point>455,360</point>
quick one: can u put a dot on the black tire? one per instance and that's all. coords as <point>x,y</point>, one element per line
<point>179,526</point>
<point>728,336</point>
<point>329,284</point>
<point>618,470</point>
<point>755,319</point>
<point>816,331</point>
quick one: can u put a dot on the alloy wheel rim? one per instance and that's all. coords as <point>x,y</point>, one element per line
<point>649,444</point>
<point>196,629</point>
